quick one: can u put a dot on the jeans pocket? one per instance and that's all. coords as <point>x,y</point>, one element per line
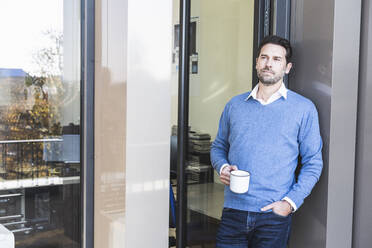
<point>279,215</point>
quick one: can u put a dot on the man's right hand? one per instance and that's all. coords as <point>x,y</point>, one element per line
<point>225,174</point>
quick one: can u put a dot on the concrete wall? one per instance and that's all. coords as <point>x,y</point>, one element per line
<point>325,36</point>
<point>363,171</point>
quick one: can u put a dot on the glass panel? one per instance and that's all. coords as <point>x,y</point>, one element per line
<point>221,44</point>
<point>40,123</point>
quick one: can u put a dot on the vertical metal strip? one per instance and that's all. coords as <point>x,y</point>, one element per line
<point>262,23</point>
<point>87,122</point>
<point>282,21</point>
<point>283,18</point>
<point>183,123</point>
<point>267,18</point>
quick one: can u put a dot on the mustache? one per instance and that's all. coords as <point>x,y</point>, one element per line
<point>267,70</point>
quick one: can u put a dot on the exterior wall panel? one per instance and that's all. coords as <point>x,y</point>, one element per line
<point>110,122</point>
<point>325,35</point>
<point>132,122</point>
<point>148,123</point>
<point>363,170</point>
<point>311,37</point>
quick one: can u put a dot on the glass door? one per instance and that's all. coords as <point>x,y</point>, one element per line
<point>40,195</point>
<point>221,55</point>
<point>213,59</point>
<point>221,37</point>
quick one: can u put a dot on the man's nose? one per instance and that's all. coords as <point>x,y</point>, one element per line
<point>269,63</point>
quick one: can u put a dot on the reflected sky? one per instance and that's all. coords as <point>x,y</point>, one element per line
<point>23,24</point>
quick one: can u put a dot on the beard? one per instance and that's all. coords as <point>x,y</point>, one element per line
<point>269,79</point>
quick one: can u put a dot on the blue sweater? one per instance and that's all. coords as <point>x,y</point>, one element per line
<point>266,141</point>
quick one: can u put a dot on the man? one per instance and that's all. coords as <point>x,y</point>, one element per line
<point>264,132</point>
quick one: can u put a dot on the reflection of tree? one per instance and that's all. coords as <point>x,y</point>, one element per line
<point>50,59</point>
<point>35,108</point>
<point>34,111</point>
<point>32,117</point>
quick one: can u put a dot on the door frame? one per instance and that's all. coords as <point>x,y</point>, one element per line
<point>87,122</point>
<point>264,18</point>
<point>270,17</point>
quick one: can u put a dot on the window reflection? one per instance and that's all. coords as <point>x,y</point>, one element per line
<point>40,123</point>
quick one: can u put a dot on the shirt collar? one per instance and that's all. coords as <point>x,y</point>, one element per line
<point>282,91</point>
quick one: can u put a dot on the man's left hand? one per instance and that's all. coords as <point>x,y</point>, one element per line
<point>282,208</point>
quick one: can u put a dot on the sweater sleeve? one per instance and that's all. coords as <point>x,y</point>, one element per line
<point>310,148</point>
<point>220,146</point>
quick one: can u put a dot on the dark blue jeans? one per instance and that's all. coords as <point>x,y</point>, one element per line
<point>240,229</point>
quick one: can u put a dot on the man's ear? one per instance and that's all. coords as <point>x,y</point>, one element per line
<point>288,68</point>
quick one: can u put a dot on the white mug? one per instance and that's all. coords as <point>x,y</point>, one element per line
<point>239,181</point>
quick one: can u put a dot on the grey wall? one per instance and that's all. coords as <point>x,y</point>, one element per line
<point>312,77</point>
<point>325,36</point>
<point>363,171</point>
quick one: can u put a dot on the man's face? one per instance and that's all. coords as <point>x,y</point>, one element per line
<point>271,64</point>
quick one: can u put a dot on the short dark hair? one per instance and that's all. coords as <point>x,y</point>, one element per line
<point>274,39</point>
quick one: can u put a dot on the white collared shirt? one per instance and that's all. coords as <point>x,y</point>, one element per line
<point>281,92</point>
